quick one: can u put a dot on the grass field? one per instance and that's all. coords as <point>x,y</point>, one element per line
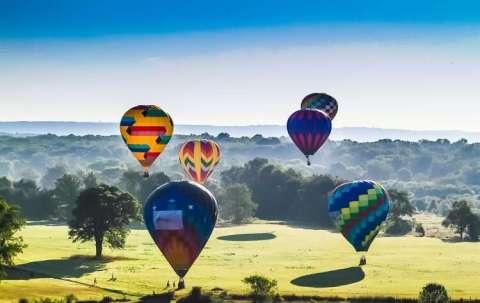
<point>304,261</point>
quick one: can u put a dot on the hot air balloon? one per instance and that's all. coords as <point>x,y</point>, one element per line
<point>146,129</point>
<point>180,217</point>
<point>309,129</point>
<point>359,208</point>
<point>323,102</point>
<point>198,159</point>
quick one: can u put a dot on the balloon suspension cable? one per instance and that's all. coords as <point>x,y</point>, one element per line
<point>308,160</point>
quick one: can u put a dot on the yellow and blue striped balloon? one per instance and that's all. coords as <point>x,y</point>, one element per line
<point>146,130</point>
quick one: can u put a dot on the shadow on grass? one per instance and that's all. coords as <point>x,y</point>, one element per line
<point>332,278</point>
<point>457,240</point>
<point>248,237</point>
<point>73,267</point>
<point>46,223</point>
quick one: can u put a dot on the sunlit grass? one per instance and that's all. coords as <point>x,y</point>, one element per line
<point>396,266</point>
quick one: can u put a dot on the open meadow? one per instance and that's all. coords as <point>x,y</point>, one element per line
<point>304,261</point>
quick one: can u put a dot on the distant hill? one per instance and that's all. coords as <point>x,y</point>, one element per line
<point>362,134</point>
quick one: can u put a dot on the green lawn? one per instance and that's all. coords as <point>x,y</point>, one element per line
<point>304,261</point>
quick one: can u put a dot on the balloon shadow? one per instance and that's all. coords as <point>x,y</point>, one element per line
<point>332,278</point>
<point>248,237</point>
<point>73,267</point>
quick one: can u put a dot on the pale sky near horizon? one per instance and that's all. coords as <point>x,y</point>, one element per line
<point>400,71</point>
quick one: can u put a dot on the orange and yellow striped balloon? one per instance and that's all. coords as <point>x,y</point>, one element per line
<point>146,129</point>
<point>198,159</point>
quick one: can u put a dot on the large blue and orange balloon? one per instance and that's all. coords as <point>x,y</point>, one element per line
<point>359,208</point>
<point>199,158</point>
<point>146,129</point>
<point>180,217</point>
<point>323,102</point>
<point>309,129</point>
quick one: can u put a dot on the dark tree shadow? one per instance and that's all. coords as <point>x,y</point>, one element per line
<point>73,267</point>
<point>248,237</point>
<point>332,278</point>
<point>45,223</point>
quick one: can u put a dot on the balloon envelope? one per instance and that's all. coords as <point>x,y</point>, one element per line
<point>359,208</point>
<point>323,102</point>
<point>309,129</point>
<point>146,129</point>
<point>180,217</point>
<point>199,158</point>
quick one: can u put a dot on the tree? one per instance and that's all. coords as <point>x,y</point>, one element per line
<point>262,287</point>
<point>42,206</point>
<point>129,182</point>
<point>458,217</point>
<point>473,228</point>
<point>10,245</point>
<point>223,136</point>
<point>147,185</point>
<point>433,207</point>
<point>196,296</point>
<point>237,203</point>
<point>134,183</point>
<point>67,189</point>
<point>34,204</point>
<point>312,198</point>
<point>52,174</point>
<point>102,213</point>
<point>400,207</point>
<point>433,293</point>
<point>90,180</point>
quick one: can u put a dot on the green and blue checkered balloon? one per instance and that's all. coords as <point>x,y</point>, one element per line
<point>359,208</point>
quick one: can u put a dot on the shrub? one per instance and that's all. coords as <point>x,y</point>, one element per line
<point>157,298</point>
<point>105,299</point>
<point>398,227</point>
<point>433,293</point>
<point>419,230</point>
<point>23,300</point>
<point>263,288</point>
<point>196,296</point>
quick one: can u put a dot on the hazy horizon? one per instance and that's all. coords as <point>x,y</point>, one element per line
<point>390,66</point>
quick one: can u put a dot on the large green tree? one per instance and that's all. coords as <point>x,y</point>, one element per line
<point>10,245</point>
<point>102,214</point>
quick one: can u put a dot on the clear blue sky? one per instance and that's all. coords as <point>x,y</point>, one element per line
<point>242,62</point>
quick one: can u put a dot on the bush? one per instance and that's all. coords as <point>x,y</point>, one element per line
<point>157,298</point>
<point>105,299</point>
<point>263,288</point>
<point>398,227</point>
<point>433,293</point>
<point>419,230</point>
<point>196,296</point>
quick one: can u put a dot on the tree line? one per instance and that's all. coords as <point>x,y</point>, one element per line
<point>102,213</point>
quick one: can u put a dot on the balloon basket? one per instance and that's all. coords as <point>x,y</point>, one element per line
<point>181,284</point>
<point>146,174</point>
<point>363,261</point>
<point>308,161</point>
